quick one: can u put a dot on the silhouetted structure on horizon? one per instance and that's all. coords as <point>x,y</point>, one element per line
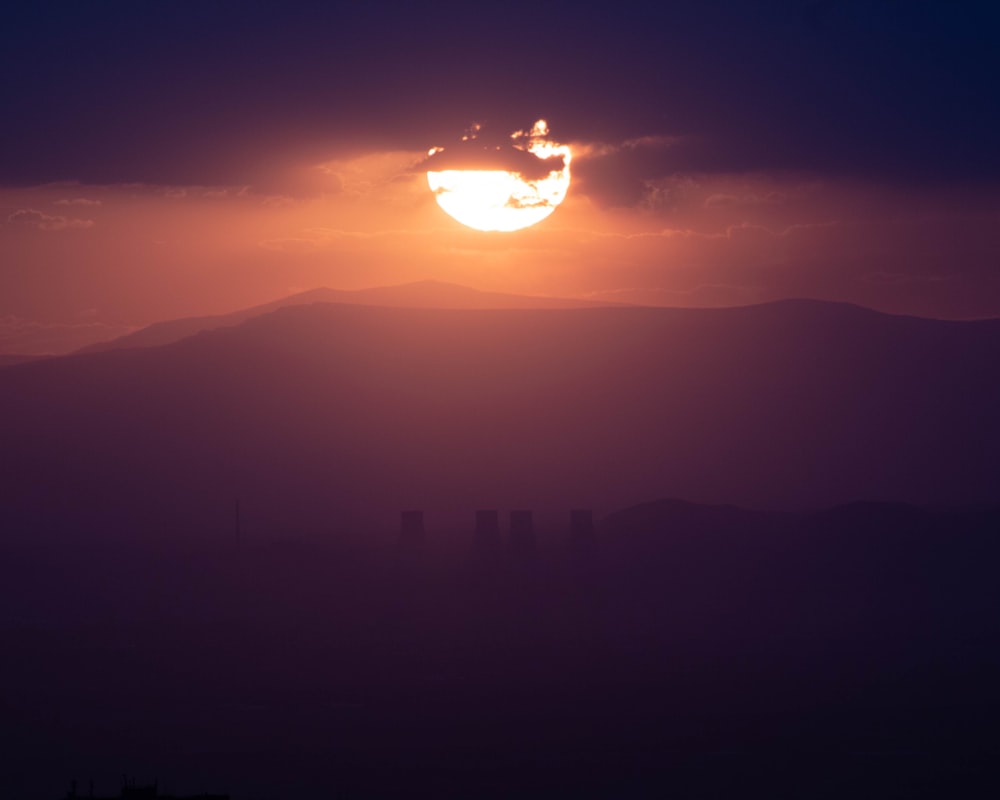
<point>133,791</point>
<point>488,539</point>
<point>411,528</point>
<point>581,526</point>
<point>522,531</point>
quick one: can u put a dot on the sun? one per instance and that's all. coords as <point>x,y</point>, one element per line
<point>528,191</point>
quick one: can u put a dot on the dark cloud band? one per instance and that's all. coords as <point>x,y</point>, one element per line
<point>476,156</point>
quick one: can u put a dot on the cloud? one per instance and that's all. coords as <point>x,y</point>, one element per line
<point>389,176</point>
<point>517,202</point>
<point>531,154</point>
<point>313,239</point>
<point>473,155</point>
<point>220,192</point>
<point>46,222</point>
<point>899,278</point>
<point>617,175</point>
<point>289,244</point>
<point>32,337</point>
<point>730,200</point>
<point>729,232</point>
<point>603,149</point>
<point>77,201</point>
<point>277,201</point>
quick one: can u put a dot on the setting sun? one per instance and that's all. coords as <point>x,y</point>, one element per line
<point>504,200</point>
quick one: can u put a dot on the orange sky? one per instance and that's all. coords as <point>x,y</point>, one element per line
<point>157,162</point>
<point>85,262</point>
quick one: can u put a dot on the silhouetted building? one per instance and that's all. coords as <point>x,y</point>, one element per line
<point>488,539</point>
<point>581,526</point>
<point>411,528</point>
<point>522,531</point>
<point>133,791</point>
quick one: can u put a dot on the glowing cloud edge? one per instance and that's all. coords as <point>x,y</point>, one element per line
<point>498,200</point>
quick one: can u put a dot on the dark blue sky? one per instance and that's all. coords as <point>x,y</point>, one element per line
<point>207,92</point>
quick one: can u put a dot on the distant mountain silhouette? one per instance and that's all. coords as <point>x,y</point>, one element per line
<point>320,416</point>
<point>673,516</point>
<point>420,294</point>
<point>860,534</point>
<point>9,359</point>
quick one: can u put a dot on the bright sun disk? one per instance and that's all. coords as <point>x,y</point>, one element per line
<point>499,200</point>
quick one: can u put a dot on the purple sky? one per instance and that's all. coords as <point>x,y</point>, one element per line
<point>162,160</point>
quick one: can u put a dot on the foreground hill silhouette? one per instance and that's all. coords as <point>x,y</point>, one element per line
<point>420,294</point>
<point>691,651</point>
<point>8,360</point>
<point>328,414</point>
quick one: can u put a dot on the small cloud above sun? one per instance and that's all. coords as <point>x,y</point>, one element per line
<point>500,185</point>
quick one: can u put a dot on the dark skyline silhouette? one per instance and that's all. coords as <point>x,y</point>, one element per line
<point>331,414</point>
<point>373,550</point>
<point>132,790</point>
<point>690,489</point>
<point>693,650</point>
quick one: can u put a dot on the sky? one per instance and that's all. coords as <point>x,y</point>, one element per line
<point>168,160</point>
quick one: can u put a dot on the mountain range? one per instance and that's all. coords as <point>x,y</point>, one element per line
<point>195,573</point>
<point>419,294</point>
<point>327,416</point>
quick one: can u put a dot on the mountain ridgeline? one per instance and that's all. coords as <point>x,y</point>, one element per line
<point>421,294</point>
<point>194,579</point>
<point>330,416</point>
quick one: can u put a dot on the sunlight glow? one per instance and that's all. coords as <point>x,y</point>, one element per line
<point>497,200</point>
